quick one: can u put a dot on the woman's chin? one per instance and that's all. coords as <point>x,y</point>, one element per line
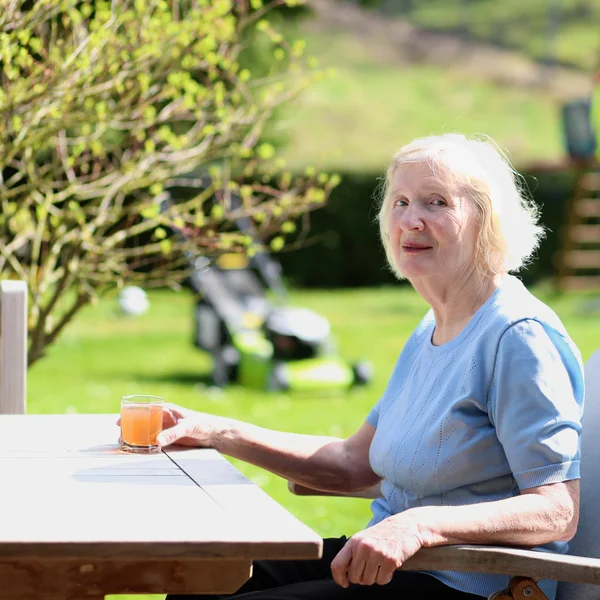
<point>413,271</point>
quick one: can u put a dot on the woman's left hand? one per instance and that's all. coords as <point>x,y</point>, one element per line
<point>373,555</point>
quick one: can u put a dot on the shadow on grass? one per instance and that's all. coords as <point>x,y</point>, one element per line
<point>178,377</point>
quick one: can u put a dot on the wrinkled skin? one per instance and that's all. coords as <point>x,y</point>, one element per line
<point>371,556</point>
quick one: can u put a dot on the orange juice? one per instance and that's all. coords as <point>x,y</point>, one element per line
<point>141,424</point>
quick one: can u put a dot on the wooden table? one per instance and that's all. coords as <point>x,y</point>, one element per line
<point>79,519</point>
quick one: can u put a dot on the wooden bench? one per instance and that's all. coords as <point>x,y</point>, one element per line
<point>13,347</point>
<point>578,573</point>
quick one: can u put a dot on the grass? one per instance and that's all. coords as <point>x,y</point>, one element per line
<point>103,356</point>
<point>357,118</point>
<point>526,26</point>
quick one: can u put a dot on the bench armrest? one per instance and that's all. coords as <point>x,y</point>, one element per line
<point>507,561</point>
<point>499,560</point>
<point>302,490</point>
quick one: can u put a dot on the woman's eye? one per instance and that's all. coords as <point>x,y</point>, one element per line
<point>438,201</point>
<point>400,202</point>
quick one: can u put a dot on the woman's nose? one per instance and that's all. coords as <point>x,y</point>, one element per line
<point>411,218</point>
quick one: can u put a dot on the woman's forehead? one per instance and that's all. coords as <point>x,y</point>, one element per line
<point>421,176</point>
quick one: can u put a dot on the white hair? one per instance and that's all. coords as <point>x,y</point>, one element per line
<point>509,231</point>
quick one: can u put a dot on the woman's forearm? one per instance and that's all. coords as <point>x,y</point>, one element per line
<point>315,461</point>
<point>527,520</point>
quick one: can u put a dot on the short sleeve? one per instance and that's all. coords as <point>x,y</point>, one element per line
<point>535,403</point>
<point>373,416</point>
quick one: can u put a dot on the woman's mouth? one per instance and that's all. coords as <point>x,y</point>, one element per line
<point>415,248</point>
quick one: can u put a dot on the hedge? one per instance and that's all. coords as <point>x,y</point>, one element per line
<point>345,250</point>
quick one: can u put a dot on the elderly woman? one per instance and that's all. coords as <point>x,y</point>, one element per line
<point>476,438</point>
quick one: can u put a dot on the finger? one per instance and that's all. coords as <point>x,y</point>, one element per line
<point>169,420</point>
<point>168,408</point>
<point>119,422</point>
<point>175,411</point>
<point>370,571</point>
<point>170,436</point>
<point>340,564</point>
<point>385,573</point>
<point>171,417</point>
<point>357,565</point>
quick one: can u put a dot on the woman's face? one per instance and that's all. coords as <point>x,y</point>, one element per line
<point>432,229</point>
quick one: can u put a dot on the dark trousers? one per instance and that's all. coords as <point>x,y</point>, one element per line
<point>312,580</point>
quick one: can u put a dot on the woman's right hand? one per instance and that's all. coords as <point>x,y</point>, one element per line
<point>188,428</point>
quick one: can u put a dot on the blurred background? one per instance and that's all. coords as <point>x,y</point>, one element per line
<point>523,73</point>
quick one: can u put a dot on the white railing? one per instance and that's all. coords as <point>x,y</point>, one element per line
<point>13,347</point>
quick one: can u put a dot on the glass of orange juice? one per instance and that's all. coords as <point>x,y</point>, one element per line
<point>141,422</point>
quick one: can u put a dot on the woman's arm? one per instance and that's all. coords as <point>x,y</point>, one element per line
<point>320,462</point>
<point>539,515</point>
<point>325,463</point>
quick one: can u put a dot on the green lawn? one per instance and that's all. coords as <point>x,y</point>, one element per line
<point>357,118</point>
<point>103,356</point>
<point>521,25</point>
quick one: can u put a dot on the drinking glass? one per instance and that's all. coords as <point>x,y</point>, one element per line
<point>141,422</point>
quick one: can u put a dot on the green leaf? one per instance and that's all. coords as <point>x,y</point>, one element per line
<point>150,114</point>
<point>262,25</point>
<point>156,189</point>
<point>266,151</point>
<point>144,81</point>
<point>41,212</point>
<point>166,246</point>
<point>335,180</point>
<point>298,48</point>
<point>150,212</point>
<point>217,212</point>
<point>277,244</point>
<point>316,195</point>
<point>97,149</point>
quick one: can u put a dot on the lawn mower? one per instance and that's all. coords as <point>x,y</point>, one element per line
<point>256,339</point>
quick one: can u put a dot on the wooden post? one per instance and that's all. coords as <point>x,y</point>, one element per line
<point>13,347</point>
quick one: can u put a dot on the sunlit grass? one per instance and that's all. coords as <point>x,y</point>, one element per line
<point>565,32</point>
<point>357,118</point>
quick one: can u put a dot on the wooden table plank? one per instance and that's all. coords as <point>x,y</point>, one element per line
<point>59,435</point>
<point>69,492</point>
<point>255,515</point>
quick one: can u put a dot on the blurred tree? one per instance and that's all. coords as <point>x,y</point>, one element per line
<point>105,109</point>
